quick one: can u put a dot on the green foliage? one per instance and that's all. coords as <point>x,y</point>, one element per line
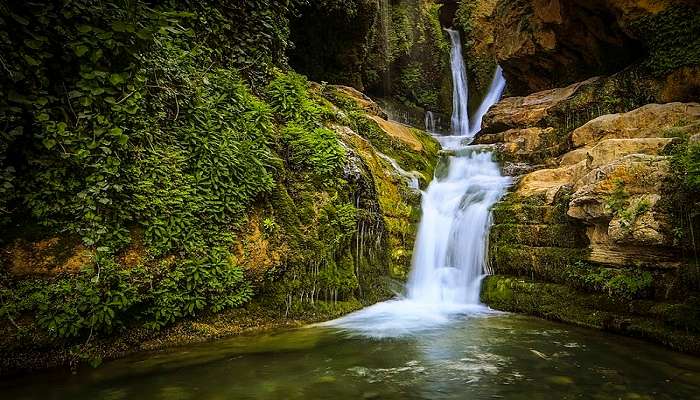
<point>622,283</point>
<point>288,95</point>
<point>208,165</point>
<point>684,206</point>
<point>463,17</point>
<point>672,37</point>
<point>252,36</point>
<point>306,143</point>
<point>269,226</point>
<point>315,149</point>
<point>402,35</point>
<point>421,51</point>
<point>618,198</point>
<point>412,83</point>
<point>105,297</point>
<point>99,89</point>
<point>125,116</point>
<point>629,215</point>
<point>211,283</point>
<point>96,300</point>
<point>688,163</point>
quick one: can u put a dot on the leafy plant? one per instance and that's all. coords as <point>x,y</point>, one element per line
<point>316,149</point>
<point>624,283</point>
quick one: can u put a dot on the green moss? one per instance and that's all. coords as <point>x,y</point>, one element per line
<point>562,303</point>
<point>672,38</point>
<point>553,235</point>
<point>545,263</point>
<point>623,283</point>
<point>409,159</point>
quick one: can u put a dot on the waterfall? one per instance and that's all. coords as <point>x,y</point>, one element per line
<point>460,89</point>
<point>498,84</point>
<point>412,178</point>
<point>430,124</point>
<point>450,253</point>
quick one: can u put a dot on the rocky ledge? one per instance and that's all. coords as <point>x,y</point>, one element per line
<point>602,214</point>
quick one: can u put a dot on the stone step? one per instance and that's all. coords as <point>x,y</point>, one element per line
<point>540,235</point>
<point>523,213</point>
<point>546,263</point>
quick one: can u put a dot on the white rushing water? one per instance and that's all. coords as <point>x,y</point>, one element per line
<point>412,177</point>
<point>460,88</point>
<point>450,253</point>
<point>498,85</point>
<point>430,124</point>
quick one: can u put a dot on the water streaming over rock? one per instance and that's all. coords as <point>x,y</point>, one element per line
<point>498,85</point>
<point>412,177</point>
<point>449,257</point>
<point>450,251</point>
<point>430,123</point>
<point>460,88</point>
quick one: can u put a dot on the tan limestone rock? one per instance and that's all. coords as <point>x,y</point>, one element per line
<point>649,121</point>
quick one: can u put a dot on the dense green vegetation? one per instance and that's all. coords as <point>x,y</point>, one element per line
<point>400,52</point>
<point>146,138</point>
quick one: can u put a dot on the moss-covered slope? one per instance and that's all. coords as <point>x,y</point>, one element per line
<point>165,174</point>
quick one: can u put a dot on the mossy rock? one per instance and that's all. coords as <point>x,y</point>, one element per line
<point>562,303</point>
<point>546,263</point>
<point>543,235</point>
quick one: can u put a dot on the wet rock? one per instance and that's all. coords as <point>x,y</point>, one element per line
<point>529,111</point>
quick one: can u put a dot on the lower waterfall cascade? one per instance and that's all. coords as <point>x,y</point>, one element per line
<point>450,253</point>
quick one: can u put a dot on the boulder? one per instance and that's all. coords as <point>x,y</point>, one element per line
<point>551,43</point>
<point>529,111</point>
<point>617,183</point>
<point>649,121</point>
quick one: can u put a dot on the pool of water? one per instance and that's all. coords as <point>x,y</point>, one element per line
<point>483,356</point>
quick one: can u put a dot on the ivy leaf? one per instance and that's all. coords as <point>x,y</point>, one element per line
<point>20,20</point>
<point>30,60</point>
<point>115,131</point>
<point>121,26</point>
<point>33,44</point>
<point>116,79</point>
<point>80,50</point>
<point>49,143</point>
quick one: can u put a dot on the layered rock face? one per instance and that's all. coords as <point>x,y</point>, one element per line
<point>600,226</point>
<point>593,210</point>
<point>543,44</point>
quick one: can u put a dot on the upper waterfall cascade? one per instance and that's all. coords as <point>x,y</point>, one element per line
<point>450,253</point>
<point>460,88</point>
